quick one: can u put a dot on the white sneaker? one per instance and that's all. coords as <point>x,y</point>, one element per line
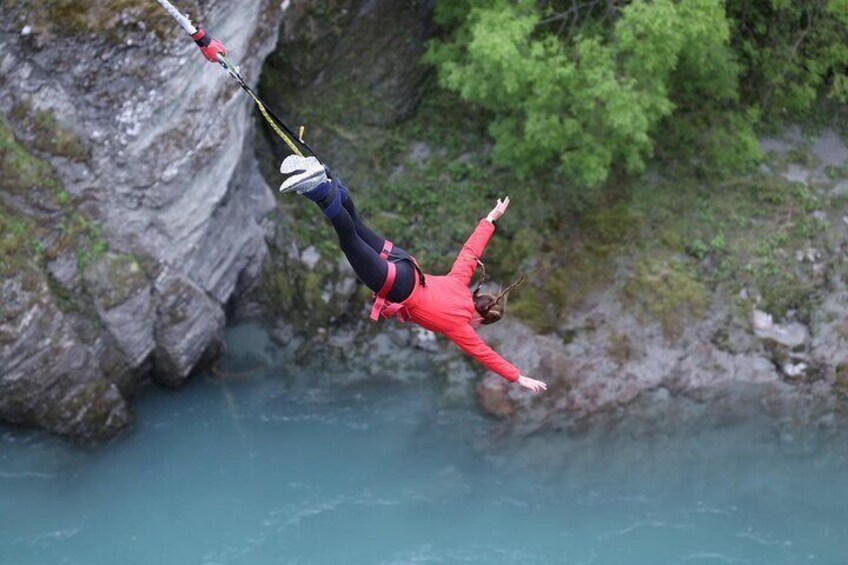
<point>305,173</point>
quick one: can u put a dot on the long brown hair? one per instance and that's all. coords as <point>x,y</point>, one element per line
<point>492,307</point>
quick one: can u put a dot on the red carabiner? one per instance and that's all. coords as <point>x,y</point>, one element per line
<point>209,46</point>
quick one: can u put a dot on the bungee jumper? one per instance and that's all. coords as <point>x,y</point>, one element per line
<point>443,304</point>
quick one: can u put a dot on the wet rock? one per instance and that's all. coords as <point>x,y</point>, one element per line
<point>493,397</point>
<point>186,319</point>
<point>49,379</point>
<point>794,370</point>
<point>789,335</point>
<point>64,271</point>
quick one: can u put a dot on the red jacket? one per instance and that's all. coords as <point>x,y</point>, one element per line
<point>445,305</point>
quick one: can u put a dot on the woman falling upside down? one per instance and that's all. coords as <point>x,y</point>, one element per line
<point>443,304</point>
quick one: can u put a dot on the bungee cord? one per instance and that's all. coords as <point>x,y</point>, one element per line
<point>215,52</point>
<point>182,19</point>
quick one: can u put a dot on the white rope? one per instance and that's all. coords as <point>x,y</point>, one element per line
<point>184,22</point>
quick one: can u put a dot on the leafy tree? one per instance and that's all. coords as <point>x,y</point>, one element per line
<point>793,51</point>
<point>593,100</point>
<point>598,86</point>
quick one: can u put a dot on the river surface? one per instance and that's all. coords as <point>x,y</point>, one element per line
<point>274,465</point>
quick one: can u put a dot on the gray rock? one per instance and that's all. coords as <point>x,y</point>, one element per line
<point>170,183</point>
<point>789,335</point>
<point>131,324</point>
<point>595,376</point>
<point>829,344</point>
<point>310,257</point>
<point>342,50</point>
<point>794,370</point>
<point>49,379</point>
<point>64,271</point>
<point>124,303</point>
<point>186,320</point>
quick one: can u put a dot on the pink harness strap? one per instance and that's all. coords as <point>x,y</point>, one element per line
<point>382,307</point>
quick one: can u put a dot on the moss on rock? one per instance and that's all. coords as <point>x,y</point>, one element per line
<point>307,292</point>
<point>95,410</point>
<point>667,291</point>
<point>47,134</point>
<point>109,17</point>
<point>20,170</point>
<point>114,279</point>
<point>14,242</point>
<point>608,228</point>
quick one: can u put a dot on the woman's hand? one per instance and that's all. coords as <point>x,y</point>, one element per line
<point>498,210</point>
<point>532,384</point>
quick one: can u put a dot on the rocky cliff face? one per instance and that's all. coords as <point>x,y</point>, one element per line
<point>130,201</point>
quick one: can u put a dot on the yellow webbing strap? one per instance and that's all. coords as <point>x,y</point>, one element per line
<point>262,109</point>
<point>274,125</point>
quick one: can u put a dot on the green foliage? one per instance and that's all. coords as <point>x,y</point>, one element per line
<point>594,101</point>
<point>25,175</point>
<point>792,52</point>
<point>608,227</point>
<point>14,236</point>
<point>84,236</point>
<point>690,79</point>
<point>20,250</point>
<point>783,290</point>
<point>20,170</point>
<point>590,103</point>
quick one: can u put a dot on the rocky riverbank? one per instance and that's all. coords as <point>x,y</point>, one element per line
<point>730,359</point>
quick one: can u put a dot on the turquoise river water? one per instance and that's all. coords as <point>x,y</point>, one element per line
<point>274,466</point>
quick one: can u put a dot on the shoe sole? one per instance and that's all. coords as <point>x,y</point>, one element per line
<point>300,178</point>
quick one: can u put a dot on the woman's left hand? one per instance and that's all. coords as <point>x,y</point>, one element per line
<point>532,384</point>
<point>498,210</point>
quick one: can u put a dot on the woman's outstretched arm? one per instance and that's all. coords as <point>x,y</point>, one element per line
<point>466,262</point>
<point>472,344</point>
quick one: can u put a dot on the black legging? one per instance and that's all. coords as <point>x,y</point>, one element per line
<point>362,248</point>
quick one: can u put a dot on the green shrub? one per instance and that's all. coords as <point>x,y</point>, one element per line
<point>593,100</point>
